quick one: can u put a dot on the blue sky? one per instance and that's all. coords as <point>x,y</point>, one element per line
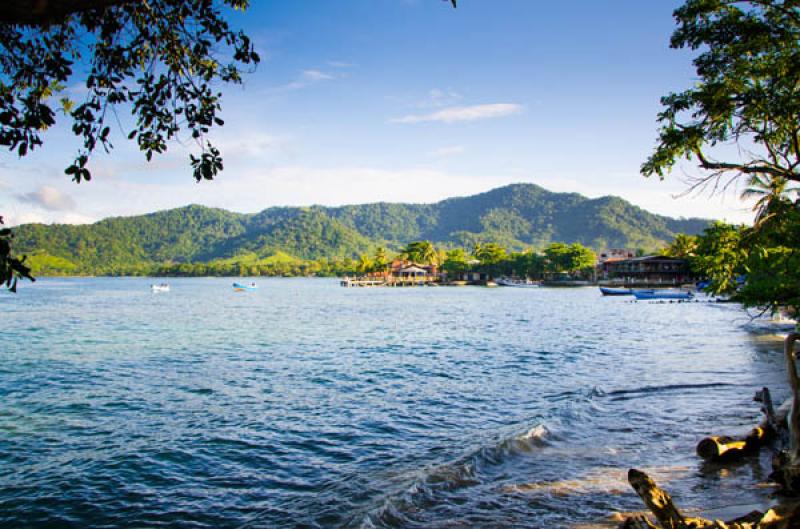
<point>407,100</point>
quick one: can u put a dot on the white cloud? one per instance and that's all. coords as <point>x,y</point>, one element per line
<point>24,218</point>
<point>76,218</point>
<point>249,144</point>
<point>49,198</point>
<point>467,113</point>
<point>306,78</point>
<point>255,189</point>
<point>316,75</point>
<point>444,152</point>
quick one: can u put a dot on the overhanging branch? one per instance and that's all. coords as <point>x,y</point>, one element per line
<point>710,165</point>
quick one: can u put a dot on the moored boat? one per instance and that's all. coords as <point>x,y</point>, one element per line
<point>608,291</point>
<point>616,291</point>
<point>662,294</point>
<point>519,283</point>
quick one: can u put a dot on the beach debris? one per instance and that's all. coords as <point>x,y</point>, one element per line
<point>668,516</point>
<point>727,448</point>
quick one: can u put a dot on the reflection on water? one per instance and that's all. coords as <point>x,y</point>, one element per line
<point>307,405</point>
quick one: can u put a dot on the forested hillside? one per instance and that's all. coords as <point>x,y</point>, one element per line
<point>516,216</point>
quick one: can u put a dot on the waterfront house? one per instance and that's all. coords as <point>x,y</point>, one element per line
<point>649,269</point>
<point>399,273</point>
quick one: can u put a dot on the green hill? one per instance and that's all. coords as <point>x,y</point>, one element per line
<point>516,216</point>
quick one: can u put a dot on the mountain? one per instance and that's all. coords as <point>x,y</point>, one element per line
<point>516,216</point>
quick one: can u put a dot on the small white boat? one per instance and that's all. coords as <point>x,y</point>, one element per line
<point>519,283</point>
<point>162,287</point>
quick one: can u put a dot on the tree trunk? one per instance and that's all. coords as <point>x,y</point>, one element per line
<point>786,465</point>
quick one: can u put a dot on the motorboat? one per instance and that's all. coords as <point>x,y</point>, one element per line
<point>608,291</point>
<point>520,283</point>
<point>663,294</point>
<point>161,287</point>
<point>244,287</point>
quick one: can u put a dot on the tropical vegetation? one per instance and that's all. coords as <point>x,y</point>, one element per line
<point>328,241</point>
<point>747,94</point>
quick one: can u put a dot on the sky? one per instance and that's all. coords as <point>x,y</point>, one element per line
<point>361,101</point>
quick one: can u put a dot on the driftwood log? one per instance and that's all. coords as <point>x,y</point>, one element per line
<point>726,448</point>
<point>668,516</point>
<point>786,467</point>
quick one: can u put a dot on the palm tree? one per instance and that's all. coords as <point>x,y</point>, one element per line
<point>768,191</point>
<point>379,263</point>
<point>422,252</point>
<point>477,251</point>
<point>364,264</point>
<point>683,246</point>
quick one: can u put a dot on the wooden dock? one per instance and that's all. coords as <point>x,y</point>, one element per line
<point>364,282</point>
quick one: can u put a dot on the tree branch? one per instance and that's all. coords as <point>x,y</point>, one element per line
<point>707,164</point>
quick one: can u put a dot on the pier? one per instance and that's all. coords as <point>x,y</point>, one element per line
<point>389,282</point>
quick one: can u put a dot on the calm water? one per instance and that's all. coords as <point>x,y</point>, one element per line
<point>304,404</point>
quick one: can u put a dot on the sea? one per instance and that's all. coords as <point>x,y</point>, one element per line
<point>303,404</point>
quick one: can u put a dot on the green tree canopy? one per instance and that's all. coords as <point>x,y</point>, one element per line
<point>489,253</point>
<point>682,247</point>
<point>380,262</point>
<point>719,256</point>
<point>560,257</point>
<point>160,60</point>
<point>11,268</point>
<point>747,91</point>
<point>455,261</point>
<point>422,252</point>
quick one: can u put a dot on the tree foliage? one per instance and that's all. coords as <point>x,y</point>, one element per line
<point>11,268</point>
<point>160,60</point>
<point>757,265</point>
<point>196,234</point>
<point>422,252</point>
<point>683,247</point>
<point>748,95</point>
<point>489,253</point>
<point>720,257</point>
<point>748,91</point>
<point>560,258</point>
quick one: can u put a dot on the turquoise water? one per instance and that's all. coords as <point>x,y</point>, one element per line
<point>304,404</point>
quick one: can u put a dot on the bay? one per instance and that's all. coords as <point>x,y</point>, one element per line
<point>303,404</point>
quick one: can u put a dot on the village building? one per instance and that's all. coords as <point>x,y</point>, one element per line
<point>649,269</point>
<point>399,273</point>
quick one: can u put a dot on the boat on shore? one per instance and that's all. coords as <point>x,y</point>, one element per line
<point>519,283</point>
<point>161,287</point>
<point>241,287</point>
<point>662,294</point>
